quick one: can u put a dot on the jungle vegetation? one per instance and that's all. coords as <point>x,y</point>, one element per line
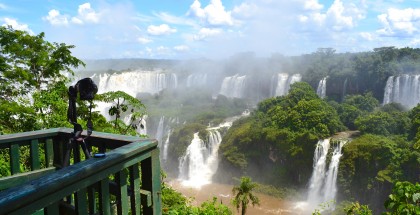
<point>274,145</point>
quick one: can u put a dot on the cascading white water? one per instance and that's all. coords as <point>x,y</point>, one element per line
<point>196,80</point>
<point>134,82</point>
<point>200,161</point>
<point>165,146</point>
<point>404,89</point>
<point>198,165</point>
<point>322,88</point>
<point>233,86</point>
<point>322,185</point>
<point>281,83</point>
<point>318,173</point>
<point>159,131</point>
<point>331,179</point>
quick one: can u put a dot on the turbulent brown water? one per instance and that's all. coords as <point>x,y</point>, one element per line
<point>223,192</point>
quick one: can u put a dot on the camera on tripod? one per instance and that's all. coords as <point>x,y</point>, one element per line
<point>85,89</point>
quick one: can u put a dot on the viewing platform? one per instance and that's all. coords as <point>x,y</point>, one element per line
<point>126,181</point>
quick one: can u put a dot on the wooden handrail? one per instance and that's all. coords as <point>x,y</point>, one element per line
<point>48,192</point>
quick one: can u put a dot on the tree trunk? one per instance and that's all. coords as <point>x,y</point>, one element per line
<point>243,209</point>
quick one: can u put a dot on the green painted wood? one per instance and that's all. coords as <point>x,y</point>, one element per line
<point>92,200</point>
<point>156,177</point>
<point>146,183</point>
<point>21,178</point>
<point>25,136</point>
<point>81,202</point>
<point>147,197</point>
<point>39,212</point>
<point>52,209</point>
<point>28,198</point>
<point>49,153</point>
<point>104,197</point>
<point>122,198</point>
<point>135,189</point>
<point>14,159</point>
<point>35,164</point>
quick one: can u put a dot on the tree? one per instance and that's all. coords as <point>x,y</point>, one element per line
<point>30,63</point>
<point>29,66</point>
<point>243,194</point>
<point>404,199</point>
<point>124,104</point>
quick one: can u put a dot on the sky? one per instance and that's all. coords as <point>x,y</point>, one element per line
<point>190,29</point>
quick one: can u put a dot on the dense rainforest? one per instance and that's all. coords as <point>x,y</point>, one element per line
<point>274,144</point>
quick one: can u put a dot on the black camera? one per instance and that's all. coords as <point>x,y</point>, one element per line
<point>86,88</point>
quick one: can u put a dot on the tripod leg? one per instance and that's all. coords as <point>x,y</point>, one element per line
<point>66,161</point>
<point>85,150</point>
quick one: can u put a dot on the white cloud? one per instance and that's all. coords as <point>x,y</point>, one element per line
<point>213,14</point>
<point>86,15</point>
<point>181,48</point>
<point>338,17</point>
<point>399,22</point>
<point>163,29</point>
<point>144,40</point>
<point>312,5</point>
<point>55,18</point>
<point>245,10</point>
<point>204,33</point>
<point>17,26</point>
<point>415,42</point>
<point>166,17</point>
<point>366,35</point>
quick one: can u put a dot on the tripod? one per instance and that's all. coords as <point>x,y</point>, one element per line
<point>87,90</point>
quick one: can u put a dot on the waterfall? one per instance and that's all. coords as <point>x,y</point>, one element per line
<point>196,80</point>
<point>318,173</point>
<point>135,82</point>
<point>159,131</point>
<point>281,83</point>
<point>200,161</point>
<point>322,88</point>
<point>344,90</point>
<point>404,89</point>
<point>165,146</point>
<point>331,179</point>
<point>322,185</point>
<point>233,86</point>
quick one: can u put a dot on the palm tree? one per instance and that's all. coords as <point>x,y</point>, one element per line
<point>243,193</point>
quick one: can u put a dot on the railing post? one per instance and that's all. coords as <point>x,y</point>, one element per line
<point>135,189</point>
<point>14,159</point>
<point>122,200</point>
<point>156,177</point>
<point>150,176</point>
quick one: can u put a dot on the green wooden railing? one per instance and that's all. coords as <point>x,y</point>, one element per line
<point>126,181</point>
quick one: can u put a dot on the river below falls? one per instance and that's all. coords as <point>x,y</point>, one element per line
<point>223,192</point>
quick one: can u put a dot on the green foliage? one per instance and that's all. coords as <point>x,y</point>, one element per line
<point>383,123</point>
<point>244,194</point>
<point>123,104</point>
<point>357,209</point>
<point>276,142</point>
<point>364,102</point>
<point>31,65</point>
<point>31,62</point>
<point>404,199</point>
<point>370,163</point>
